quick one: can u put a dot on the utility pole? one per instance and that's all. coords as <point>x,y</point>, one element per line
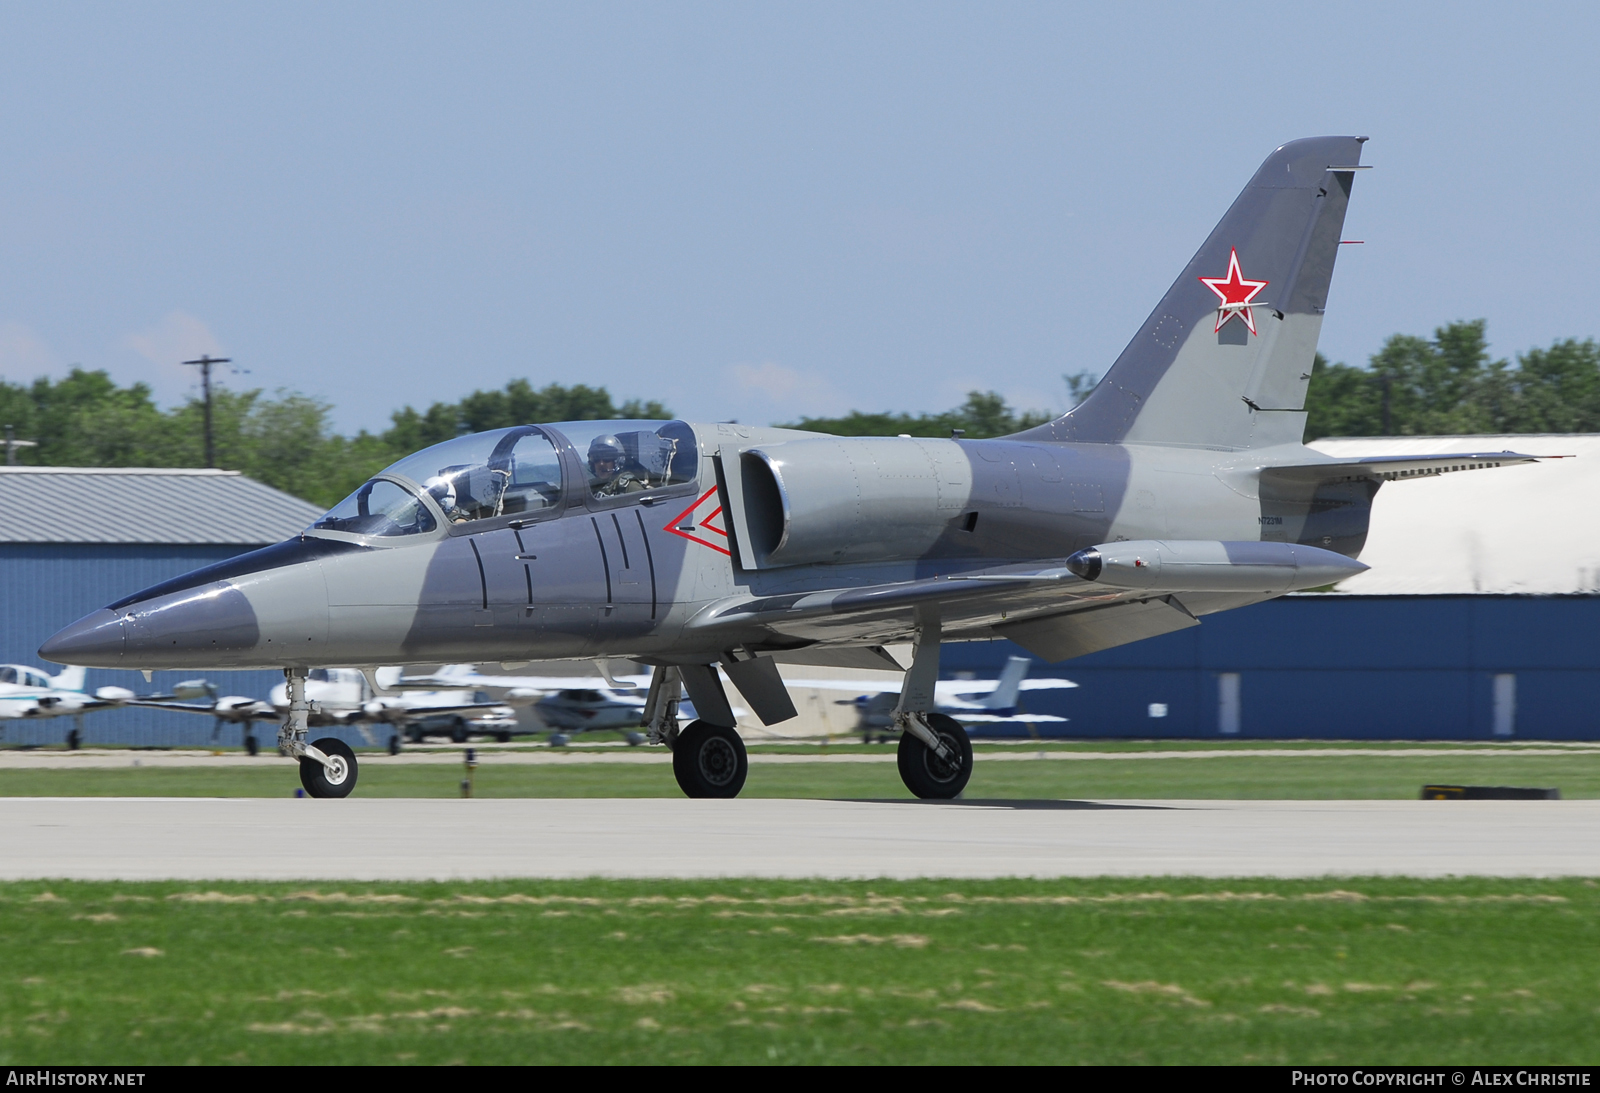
<point>205,362</point>
<point>12,444</point>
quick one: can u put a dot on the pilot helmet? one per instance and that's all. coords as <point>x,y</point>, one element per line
<point>606,449</point>
<point>443,490</point>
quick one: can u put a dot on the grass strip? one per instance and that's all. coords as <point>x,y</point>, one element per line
<point>1364,777</point>
<point>738,971</point>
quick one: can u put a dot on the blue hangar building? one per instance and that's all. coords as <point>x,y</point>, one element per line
<point>73,539</point>
<point>1479,620</point>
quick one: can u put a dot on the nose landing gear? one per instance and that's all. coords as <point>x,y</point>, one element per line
<point>334,778</point>
<point>327,767</point>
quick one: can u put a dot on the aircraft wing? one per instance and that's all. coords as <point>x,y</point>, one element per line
<point>1046,609</point>
<point>419,713</point>
<point>1042,586</point>
<point>476,680</point>
<point>52,706</point>
<point>944,690</point>
<point>207,708</point>
<point>999,719</point>
<point>964,687</point>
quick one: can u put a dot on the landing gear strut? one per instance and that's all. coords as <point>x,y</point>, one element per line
<point>327,767</point>
<point>661,706</point>
<point>935,755</point>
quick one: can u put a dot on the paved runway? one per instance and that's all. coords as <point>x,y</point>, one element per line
<point>407,839</point>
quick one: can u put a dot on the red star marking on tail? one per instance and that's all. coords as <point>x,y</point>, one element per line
<point>686,523</point>
<point>1235,291</point>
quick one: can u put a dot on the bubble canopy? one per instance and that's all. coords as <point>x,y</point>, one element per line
<point>517,471</point>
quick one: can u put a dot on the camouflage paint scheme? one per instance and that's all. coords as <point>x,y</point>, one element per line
<point>1184,467</point>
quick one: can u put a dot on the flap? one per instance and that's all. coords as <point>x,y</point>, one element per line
<point>1061,637</point>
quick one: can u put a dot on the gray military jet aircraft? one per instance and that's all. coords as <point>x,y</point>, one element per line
<point>1178,488</point>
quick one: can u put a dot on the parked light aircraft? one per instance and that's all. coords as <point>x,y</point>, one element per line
<point>29,693</point>
<point>345,696</point>
<point>1178,488</point>
<point>972,702</point>
<point>568,705</point>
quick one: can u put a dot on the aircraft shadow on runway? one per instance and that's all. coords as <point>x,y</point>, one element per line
<point>1025,805</point>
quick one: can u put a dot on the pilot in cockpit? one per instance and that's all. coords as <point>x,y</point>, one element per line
<point>442,487</point>
<point>607,476</point>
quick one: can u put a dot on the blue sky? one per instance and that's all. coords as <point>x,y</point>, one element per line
<point>752,211</point>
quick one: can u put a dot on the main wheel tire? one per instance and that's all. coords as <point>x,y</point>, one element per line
<point>458,732</point>
<point>924,773</point>
<point>710,761</point>
<point>394,744</point>
<point>323,782</point>
<point>251,747</point>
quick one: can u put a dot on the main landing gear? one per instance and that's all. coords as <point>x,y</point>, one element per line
<point>710,761</point>
<point>328,766</point>
<point>930,774</point>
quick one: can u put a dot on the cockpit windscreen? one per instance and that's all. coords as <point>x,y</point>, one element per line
<point>502,472</point>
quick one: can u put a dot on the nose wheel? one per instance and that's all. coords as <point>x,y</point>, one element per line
<point>709,761</point>
<point>338,777</point>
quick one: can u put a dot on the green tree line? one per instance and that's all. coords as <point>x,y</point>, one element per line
<point>1449,384</point>
<point>1413,386</point>
<point>286,440</point>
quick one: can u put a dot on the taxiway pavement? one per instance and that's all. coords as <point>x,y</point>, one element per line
<point>501,755</point>
<point>408,839</point>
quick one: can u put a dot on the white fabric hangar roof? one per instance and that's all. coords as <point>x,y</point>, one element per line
<point>145,505</point>
<point>1530,529</point>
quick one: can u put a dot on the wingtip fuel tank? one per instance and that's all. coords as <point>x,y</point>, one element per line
<point>1197,565</point>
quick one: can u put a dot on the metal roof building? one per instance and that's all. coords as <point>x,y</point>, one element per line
<point>73,539</point>
<point>1479,619</point>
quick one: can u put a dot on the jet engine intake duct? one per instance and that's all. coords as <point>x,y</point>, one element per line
<point>1195,565</point>
<point>845,499</point>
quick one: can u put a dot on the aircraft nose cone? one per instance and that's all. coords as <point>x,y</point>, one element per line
<point>94,641</point>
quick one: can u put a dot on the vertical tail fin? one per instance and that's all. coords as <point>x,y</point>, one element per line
<point>1008,687</point>
<point>1225,358</point>
<point>70,679</point>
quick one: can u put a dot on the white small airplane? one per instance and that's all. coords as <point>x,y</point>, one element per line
<point>346,696</point>
<point>969,701</point>
<point>568,705</point>
<point>29,693</point>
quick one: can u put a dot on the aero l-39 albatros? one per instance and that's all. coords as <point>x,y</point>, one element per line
<point>1178,488</point>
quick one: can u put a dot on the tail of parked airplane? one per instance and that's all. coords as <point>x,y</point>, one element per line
<point>1008,686</point>
<point>70,679</point>
<point>1224,360</point>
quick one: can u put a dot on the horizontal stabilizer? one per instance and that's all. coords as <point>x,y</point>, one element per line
<point>1390,468</point>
